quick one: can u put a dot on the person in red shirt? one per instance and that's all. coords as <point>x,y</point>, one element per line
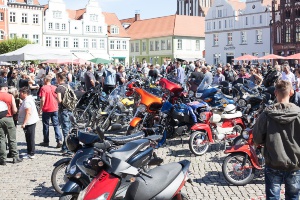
<point>49,109</point>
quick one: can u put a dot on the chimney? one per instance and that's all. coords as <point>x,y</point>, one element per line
<point>137,15</point>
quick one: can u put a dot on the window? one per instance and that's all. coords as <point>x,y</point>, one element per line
<point>114,30</point>
<point>197,45</point>
<point>94,29</point>
<point>85,43</point>
<point>260,19</point>
<point>259,36</point>
<point>288,34</point>
<point>24,18</point>
<point>12,17</point>
<point>246,22</point>
<point>30,2</point>
<point>220,24</point>
<point>132,47</point>
<point>93,17</point>
<point>50,25</point>
<point>94,43</point>
<point>87,28</point>
<point>144,46</point>
<point>2,16</point>
<point>243,37</point>
<point>12,1</point>
<point>57,42</point>
<point>287,14</point>
<point>100,29</point>
<point>156,45</point>
<point>112,44</point>
<point>48,41</point>
<point>278,36</point>
<point>168,44</point>
<point>63,26</point>
<point>137,47</point>
<point>66,42</point>
<point>298,33</point>
<point>118,44</point>
<point>230,23</point>
<point>216,39</point>
<point>1,35</point>
<point>35,39</point>
<point>219,13</point>
<point>151,46</point>
<point>124,45</point>
<point>225,24</point>
<point>25,36</point>
<point>101,45</point>
<point>179,44</point>
<point>56,26</point>
<point>35,18</point>
<point>75,43</point>
<point>57,14</point>
<point>214,25</point>
<point>163,45</point>
<point>12,35</point>
<point>229,38</point>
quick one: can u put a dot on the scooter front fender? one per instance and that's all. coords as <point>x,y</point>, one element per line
<point>72,186</point>
<point>61,161</point>
<point>247,149</point>
<point>134,122</point>
<point>205,127</point>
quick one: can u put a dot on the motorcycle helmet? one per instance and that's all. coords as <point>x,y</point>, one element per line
<point>230,109</point>
<point>72,143</point>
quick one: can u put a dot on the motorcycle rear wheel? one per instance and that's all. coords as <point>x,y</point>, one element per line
<point>195,147</point>
<point>54,177</point>
<point>180,196</point>
<point>81,116</point>
<point>67,196</point>
<point>236,175</point>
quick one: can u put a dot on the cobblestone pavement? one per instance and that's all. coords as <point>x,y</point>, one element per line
<point>31,178</point>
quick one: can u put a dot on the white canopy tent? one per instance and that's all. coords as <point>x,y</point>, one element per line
<point>34,52</point>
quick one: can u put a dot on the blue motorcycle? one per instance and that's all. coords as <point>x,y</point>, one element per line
<point>214,97</point>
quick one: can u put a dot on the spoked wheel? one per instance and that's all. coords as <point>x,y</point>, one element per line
<point>67,196</point>
<point>58,178</point>
<point>199,143</point>
<point>81,116</point>
<point>235,172</point>
<point>101,122</point>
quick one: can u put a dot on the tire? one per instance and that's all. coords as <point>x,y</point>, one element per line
<point>54,177</point>
<point>199,147</point>
<point>239,140</point>
<point>68,196</point>
<point>182,197</point>
<point>80,116</point>
<point>240,179</point>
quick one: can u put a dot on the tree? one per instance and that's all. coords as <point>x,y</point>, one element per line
<point>13,44</point>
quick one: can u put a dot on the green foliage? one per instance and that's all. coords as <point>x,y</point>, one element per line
<point>13,44</point>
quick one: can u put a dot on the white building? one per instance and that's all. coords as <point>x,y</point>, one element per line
<point>25,19</point>
<point>237,28</point>
<point>82,32</point>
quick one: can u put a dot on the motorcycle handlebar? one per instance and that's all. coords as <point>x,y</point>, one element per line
<point>103,146</point>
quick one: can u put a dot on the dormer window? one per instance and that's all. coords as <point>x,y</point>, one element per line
<point>114,30</point>
<point>12,1</point>
<point>94,18</point>
<point>30,2</point>
<point>57,14</point>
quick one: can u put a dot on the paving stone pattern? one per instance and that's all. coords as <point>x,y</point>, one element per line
<point>31,178</point>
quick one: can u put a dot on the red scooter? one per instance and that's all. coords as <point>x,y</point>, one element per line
<point>240,165</point>
<point>217,125</point>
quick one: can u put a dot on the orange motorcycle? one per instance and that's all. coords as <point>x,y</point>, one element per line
<point>147,112</point>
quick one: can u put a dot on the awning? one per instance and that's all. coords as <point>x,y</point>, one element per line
<point>120,58</point>
<point>82,55</point>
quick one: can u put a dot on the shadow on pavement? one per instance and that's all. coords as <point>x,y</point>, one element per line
<point>42,191</point>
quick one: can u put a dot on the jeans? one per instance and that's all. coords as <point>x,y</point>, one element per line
<point>54,118</point>
<point>7,127</point>
<point>64,120</point>
<point>274,179</point>
<point>29,131</point>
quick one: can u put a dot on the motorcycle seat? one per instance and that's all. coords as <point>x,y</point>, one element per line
<point>125,139</point>
<point>162,177</point>
<point>130,149</point>
<point>88,138</point>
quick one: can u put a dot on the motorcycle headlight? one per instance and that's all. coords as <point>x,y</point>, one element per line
<point>242,102</point>
<point>245,134</point>
<point>203,116</point>
<point>142,108</point>
<point>72,169</point>
<point>191,93</point>
<point>103,196</point>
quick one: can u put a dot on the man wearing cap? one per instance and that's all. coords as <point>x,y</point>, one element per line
<point>7,127</point>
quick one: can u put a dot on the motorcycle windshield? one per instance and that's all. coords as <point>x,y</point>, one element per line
<point>170,86</point>
<point>147,99</point>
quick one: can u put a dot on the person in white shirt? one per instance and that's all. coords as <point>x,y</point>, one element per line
<point>146,70</point>
<point>287,75</point>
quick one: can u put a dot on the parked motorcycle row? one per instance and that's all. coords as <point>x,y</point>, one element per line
<point>105,166</point>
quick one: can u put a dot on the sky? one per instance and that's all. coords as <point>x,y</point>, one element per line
<point>127,8</point>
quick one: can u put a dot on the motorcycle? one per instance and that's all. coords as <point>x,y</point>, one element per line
<point>243,160</point>
<point>219,124</point>
<point>174,92</point>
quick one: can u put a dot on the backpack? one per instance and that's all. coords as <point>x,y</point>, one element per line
<point>3,109</point>
<point>110,78</point>
<point>70,100</point>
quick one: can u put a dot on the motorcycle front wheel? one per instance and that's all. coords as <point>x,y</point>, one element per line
<point>81,116</point>
<point>67,196</point>
<point>235,172</point>
<point>180,196</point>
<point>199,143</point>
<point>58,179</point>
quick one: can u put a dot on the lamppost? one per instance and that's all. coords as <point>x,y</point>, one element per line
<point>271,24</point>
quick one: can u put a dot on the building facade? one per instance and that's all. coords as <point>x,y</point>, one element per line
<point>286,27</point>
<point>82,32</point>
<point>193,7</point>
<point>235,28</point>
<point>25,20</point>
<point>154,45</point>
<point>3,20</point>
